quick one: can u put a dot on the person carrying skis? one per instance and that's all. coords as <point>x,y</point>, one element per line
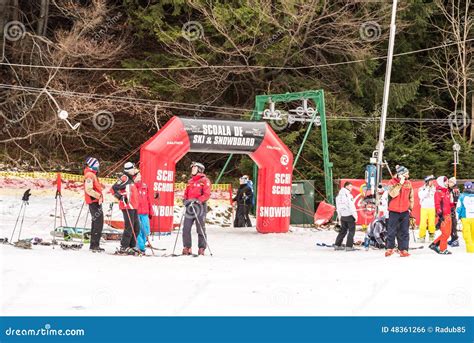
<point>144,213</point>
<point>244,202</point>
<point>454,195</point>
<point>196,194</point>
<point>443,212</point>
<point>94,199</point>
<point>400,204</point>
<point>427,209</point>
<point>465,212</point>
<point>126,192</point>
<point>347,214</point>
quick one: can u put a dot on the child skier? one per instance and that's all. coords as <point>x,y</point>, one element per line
<point>144,213</point>
<point>443,212</point>
<point>94,198</point>
<point>347,214</point>
<point>465,211</point>
<point>125,191</point>
<point>196,194</point>
<point>400,203</point>
<point>427,210</point>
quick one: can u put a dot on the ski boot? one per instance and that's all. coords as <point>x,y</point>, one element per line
<point>453,243</point>
<point>339,247</point>
<point>445,252</point>
<point>97,249</point>
<point>404,253</point>
<point>389,252</point>
<point>420,240</point>
<point>434,247</point>
<point>432,237</point>
<point>187,251</point>
<point>201,251</point>
<point>350,249</point>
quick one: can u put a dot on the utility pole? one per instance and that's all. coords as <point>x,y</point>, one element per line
<point>386,91</point>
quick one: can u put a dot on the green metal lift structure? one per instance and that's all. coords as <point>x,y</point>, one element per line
<point>317,96</point>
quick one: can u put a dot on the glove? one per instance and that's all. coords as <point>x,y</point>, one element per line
<point>440,217</point>
<point>150,216</point>
<point>402,180</point>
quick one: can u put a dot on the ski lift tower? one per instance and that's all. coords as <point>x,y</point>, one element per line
<point>313,116</point>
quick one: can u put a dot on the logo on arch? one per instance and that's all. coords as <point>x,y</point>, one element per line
<point>284,160</point>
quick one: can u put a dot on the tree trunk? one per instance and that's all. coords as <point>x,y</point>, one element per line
<point>43,18</point>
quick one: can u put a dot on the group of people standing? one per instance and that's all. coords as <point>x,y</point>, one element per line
<point>441,206</point>
<point>134,202</point>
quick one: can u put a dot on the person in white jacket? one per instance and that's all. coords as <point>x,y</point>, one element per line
<point>347,214</point>
<point>427,209</point>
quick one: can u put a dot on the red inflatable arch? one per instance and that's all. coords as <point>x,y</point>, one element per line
<point>159,155</point>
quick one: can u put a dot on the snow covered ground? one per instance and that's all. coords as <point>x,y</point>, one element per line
<point>249,274</point>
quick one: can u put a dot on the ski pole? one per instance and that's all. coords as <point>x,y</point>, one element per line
<point>179,230</point>
<point>131,224</point>
<point>16,223</point>
<point>79,215</point>
<point>200,227</point>
<point>22,219</point>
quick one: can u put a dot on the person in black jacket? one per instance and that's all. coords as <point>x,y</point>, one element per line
<point>244,203</point>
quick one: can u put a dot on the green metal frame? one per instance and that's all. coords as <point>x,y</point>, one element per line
<point>317,96</point>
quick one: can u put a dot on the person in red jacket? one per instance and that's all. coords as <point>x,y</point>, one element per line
<point>400,203</point>
<point>126,192</point>
<point>196,194</point>
<point>94,198</point>
<point>144,213</point>
<point>443,212</point>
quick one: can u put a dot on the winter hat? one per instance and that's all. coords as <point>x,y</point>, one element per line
<point>92,163</point>
<point>468,185</point>
<point>442,181</point>
<point>401,170</point>
<point>429,178</point>
<point>452,180</point>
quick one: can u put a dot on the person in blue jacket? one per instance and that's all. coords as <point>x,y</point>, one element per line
<point>465,212</point>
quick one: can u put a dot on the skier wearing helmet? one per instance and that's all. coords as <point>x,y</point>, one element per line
<point>465,211</point>
<point>196,194</point>
<point>126,192</point>
<point>94,198</point>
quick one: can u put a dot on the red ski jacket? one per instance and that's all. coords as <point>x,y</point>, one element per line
<point>144,205</point>
<point>442,201</point>
<point>125,187</point>
<point>199,187</point>
<point>92,186</point>
<point>400,197</point>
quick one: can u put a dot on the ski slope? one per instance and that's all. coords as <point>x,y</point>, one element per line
<point>249,274</point>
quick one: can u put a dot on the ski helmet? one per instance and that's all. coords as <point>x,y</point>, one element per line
<point>200,166</point>
<point>92,163</point>
<point>468,185</point>
<point>129,168</point>
<point>401,170</point>
<point>429,178</point>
